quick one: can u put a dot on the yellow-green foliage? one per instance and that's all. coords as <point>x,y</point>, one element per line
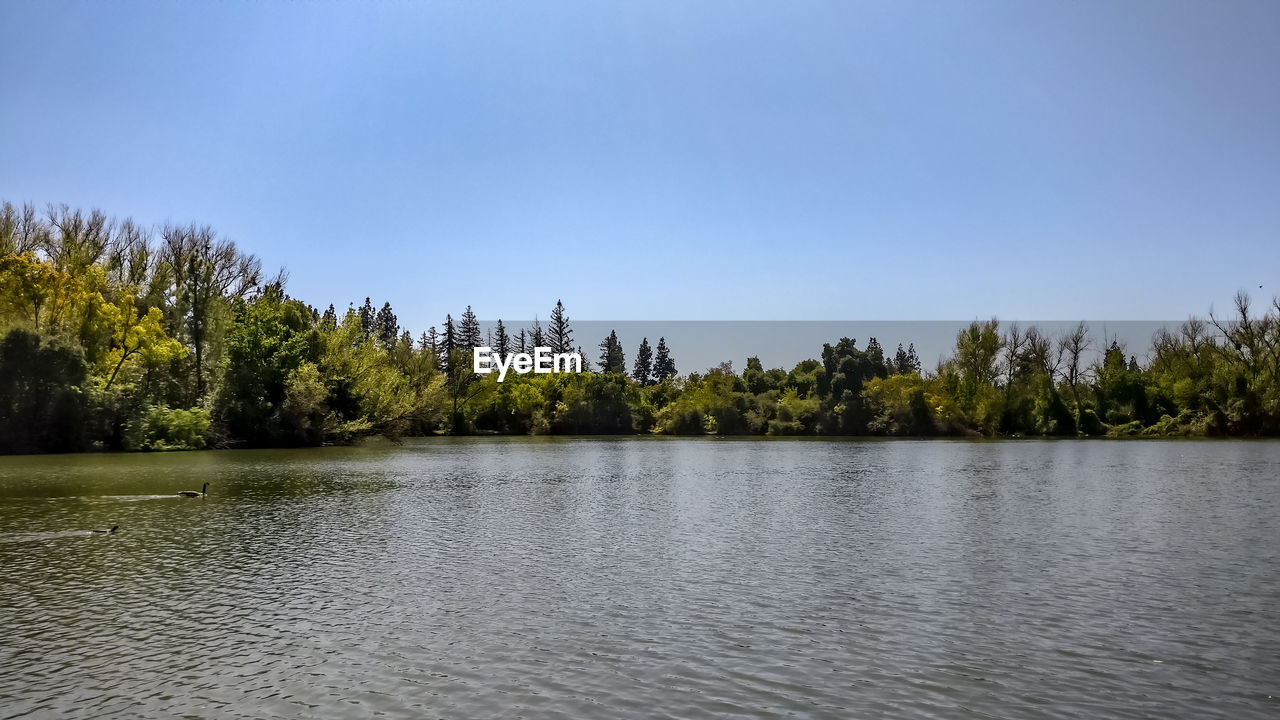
<point>162,428</point>
<point>391,397</point>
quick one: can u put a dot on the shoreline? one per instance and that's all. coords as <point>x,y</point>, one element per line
<point>376,443</point>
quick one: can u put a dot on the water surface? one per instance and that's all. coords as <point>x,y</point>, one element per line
<point>643,578</point>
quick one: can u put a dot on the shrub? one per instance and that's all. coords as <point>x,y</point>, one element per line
<point>163,428</point>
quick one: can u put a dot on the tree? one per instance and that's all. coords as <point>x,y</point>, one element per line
<point>970,375</point>
<point>611,357</point>
<point>461,385</point>
<point>536,336</point>
<point>1071,349</point>
<point>372,389</point>
<point>78,241</point>
<point>643,370</point>
<point>37,294</point>
<point>521,344</point>
<point>386,325</point>
<point>559,335</point>
<point>875,354</point>
<point>368,318</point>
<point>663,366</point>
<point>469,331</point>
<point>206,273</point>
<point>135,333</point>
<point>448,345</point>
<point>270,340</point>
<point>502,343</point>
<point>41,406</point>
<point>840,380</point>
<point>21,230</point>
<point>901,404</point>
<point>905,362</point>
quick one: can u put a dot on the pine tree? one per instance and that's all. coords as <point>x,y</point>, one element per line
<point>611,357</point>
<point>522,345</point>
<point>330,319</point>
<point>873,348</point>
<point>913,361</point>
<point>586,364</point>
<point>386,325</point>
<point>643,372</point>
<point>469,330</point>
<point>431,340</point>
<point>449,344</point>
<point>501,342</point>
<point>904,361</point>
<point>535,335</point>
<point>663,366</point>
<point>424,341</point>
<point>366,318</point>
<point>558,333</point>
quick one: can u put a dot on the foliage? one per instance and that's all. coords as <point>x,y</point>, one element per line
<point>612,359</point>
<point>42,406</point>
<point>116,339</point>
<point>162,428</point>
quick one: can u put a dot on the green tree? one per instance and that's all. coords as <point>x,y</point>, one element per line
<point>537,338</point>
<point>905,361</point>
<point>643,370</point>
<point>845,371</point>
<point>448,345</point>
<point>559,335</point>
<point>611,357</point>
<point>42,407</point>
<point>664,366</point>
<point>501,342</point>
<point>207,274</point>
<point>969,377</point>
<point>368,318</point>
<point>469,331</point>
<point>386,325</point>
<point>271,338</point>
<point>37,295</point>
<point>137,334</point>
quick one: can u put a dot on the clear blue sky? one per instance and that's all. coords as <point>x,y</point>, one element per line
<point>705,160</point>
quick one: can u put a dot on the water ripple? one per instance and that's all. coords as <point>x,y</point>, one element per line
<point>639,578</point>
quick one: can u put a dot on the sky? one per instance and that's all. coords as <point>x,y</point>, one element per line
<point>672,160</point>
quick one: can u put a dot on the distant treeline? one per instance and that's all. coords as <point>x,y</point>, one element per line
<point>121,337</point>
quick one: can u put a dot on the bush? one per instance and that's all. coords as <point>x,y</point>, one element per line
<point>162,428</point>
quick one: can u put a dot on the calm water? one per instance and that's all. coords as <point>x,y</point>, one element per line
<point>643,578</point>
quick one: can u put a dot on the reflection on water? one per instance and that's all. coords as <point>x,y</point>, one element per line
<point>646,578</point>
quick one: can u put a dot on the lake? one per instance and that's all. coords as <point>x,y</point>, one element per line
<point>646,578</point>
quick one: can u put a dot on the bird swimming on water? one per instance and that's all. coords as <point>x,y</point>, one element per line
<point>192,493</point>
<point>106,532</point>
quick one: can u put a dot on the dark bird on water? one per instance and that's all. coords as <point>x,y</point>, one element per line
<point>192,493</point>
<point>106,532</point>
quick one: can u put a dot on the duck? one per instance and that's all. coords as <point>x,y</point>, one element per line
<point>192,493</point>
<point>106,532</point>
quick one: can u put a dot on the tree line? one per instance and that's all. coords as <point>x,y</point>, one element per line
<point>121,337</point>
